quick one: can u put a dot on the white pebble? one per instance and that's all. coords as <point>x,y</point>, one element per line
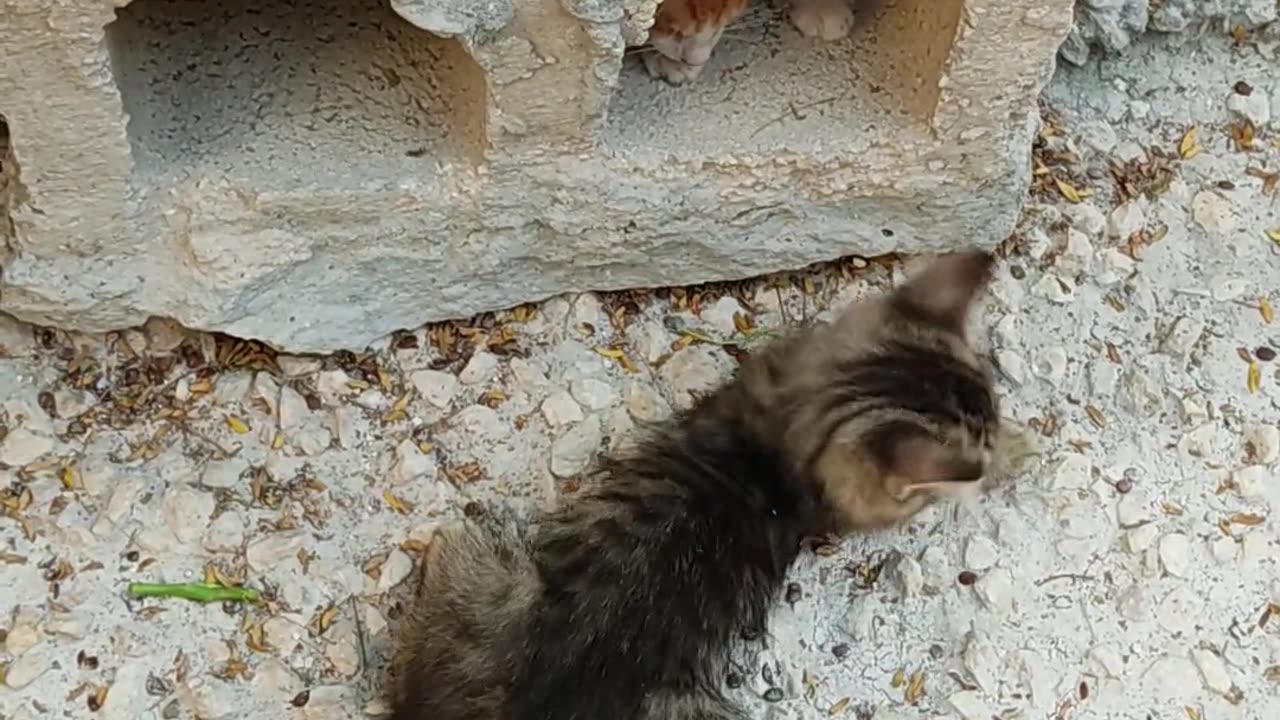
<point>560,410</point>
<point>982,660</point>
<point>1072,471</point>
<point>26,669</point>
<point>1109,658</point>
<point>1055,289</point>
<point>21,447</point>
<point>995,590</point>
<point>1051,364</point>
<point>1252,482</point>
<point>481,368</point>
<point>411,464</point>
<point>980,553</point>
<point>1126,220</point>
<point>1216,676</point>
<point>1175,554</point>
<point>644,403</point>
<point>594,394</point>
<point>571,453</point>
<point>1103,375</point>
<point>909,576</point>
<point>1006,333</point>
<point>1116,266</point>
<point>1224,550</point>
<point>1261,443</point>
<point>719,315</point>
<point>970,705</point>
<point>1254,107</point>
<point>695,370</point>
<point>1087,218</point>
<point>1213,212</point>
<point>226,533</point>
<point>394,570</point>
<point>1139,539</point>
<point>438,388</point>
<point>1011,365</point>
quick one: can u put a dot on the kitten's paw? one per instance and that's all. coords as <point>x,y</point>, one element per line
<point>673,71</point>
<point>825,19</point>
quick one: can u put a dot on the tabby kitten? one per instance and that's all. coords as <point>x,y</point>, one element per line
<point>685,32</point>
<point>624,603</point>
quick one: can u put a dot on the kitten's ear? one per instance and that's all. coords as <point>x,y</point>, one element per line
<point>920,463</point>
<point>942,292</point>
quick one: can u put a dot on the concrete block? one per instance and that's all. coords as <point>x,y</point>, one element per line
<point>318,173</point>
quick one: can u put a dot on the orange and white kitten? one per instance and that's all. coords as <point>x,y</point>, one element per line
<point>685,32</point>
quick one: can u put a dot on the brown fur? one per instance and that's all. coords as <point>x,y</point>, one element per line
<point>624,602</point>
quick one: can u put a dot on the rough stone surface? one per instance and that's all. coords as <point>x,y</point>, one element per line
<point>1128,545</point>
<point>252,202</point>
<point>1112,26</point>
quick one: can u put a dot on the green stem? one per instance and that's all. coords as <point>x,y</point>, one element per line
<point>198,592</point>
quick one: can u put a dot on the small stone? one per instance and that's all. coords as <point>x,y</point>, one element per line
<point>651,340</point>
<point>1139,539</point>
<point>1077,257</point>
<point>1103,375</point>
<point>1175,554</point>
<point>226,533</point>
<point>983,660</point>
<point>1072,471</point>
<point>21,447</point>
<point>1099,136</point>
<point>411,464</point>
<point>644,403</point>
<point>981,553</point>
<point>266,390</point>
<point>1182,337</point>
<point>1252,481</point>
<point>1006,333</point>
<point>275,549</point>
<point>17,339</point>
<point>527,373</point>
<point>695,370</point>
<point>1116,266</point>
<point>719,316</point>
<point>394,570</point>
<point>1264,353</point>
<point>1051,364</point>
<point>1254,107</point>
<point>223,473</point>
<point>187,512</point>
<point>909,576</point>
<point>304,429</point>
<point>1213,212</point>
<point>587,312</point>
<point>335,385</point>
<point>1216,676</point>
<point>572,452</point>
<point>1087,218</point>
<point>1126,220</point>
<point>233,387</point>
<point>24,632</point>
<point>967,577</point>
<point>73,402</point>
<point>438,388</point>
<point>970,705</point>
<point>164,335</point>
<point>481,368</point>
<point>73,625</point>
<point>1109,658</point>
<point>480,421</point>
<point>26,669</point>
<point>560,410</point>
<point>1055,289</point>
<point>1261,443</point>
<point>593,394</point>
<point>995,590</point>
<point>1011,365</point>
<point>1224,550</point>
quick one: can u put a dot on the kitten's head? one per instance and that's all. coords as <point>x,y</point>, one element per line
<point>688,30</point>
<point>897,408</point>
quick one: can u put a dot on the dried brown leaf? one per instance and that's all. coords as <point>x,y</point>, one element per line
<point>1189,144</point>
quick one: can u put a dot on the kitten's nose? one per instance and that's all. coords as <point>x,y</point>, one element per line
<point>696,54</point>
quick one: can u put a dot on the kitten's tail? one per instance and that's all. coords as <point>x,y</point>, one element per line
<point>459,650</point>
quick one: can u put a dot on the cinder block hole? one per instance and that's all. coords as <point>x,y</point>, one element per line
<point>286,94</point>
<point>767,88</point>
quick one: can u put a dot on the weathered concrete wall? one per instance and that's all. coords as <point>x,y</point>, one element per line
<point>319,173</point>
<point>1110,26</point>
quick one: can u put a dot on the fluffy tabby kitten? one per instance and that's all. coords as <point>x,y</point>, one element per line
<point>685,32</point>
<point>623,603</point>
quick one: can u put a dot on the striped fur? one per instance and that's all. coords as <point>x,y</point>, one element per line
<point>623,603</point>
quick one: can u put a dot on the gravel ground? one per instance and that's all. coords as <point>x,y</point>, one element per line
<point>1126,567</point>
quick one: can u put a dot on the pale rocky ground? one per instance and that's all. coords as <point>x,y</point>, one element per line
<point>1127,570</point>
